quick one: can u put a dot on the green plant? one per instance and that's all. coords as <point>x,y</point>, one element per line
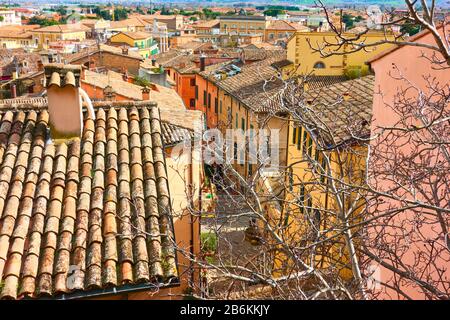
<point>208,242</point>
<point>141,81</point>
<point>354,72</point>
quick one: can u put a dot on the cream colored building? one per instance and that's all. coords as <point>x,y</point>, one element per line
<point>9,18</point>
<point>43,36</point>
<point>13,37</point>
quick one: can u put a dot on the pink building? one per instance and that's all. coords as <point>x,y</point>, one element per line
<point>411,91</point>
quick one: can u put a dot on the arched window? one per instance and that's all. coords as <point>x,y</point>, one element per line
<point>319,65</point>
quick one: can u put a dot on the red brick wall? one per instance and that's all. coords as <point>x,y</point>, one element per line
<point>112,61</point>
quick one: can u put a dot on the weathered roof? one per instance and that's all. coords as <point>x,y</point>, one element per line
<point>103,48</point>
<point>88,214</point>
<point>280,25</point>
<point>63,28</point>
<point>282,63</point>
<point>207,24</point>
<point>138,35</point>
<point>337,113</point>
<point>316,82</point>
<point>28,62</point>
<point>118,85</point>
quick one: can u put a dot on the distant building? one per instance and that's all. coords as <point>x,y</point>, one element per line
<point>318,23</point>
<point>141,40</point>
<point>243,24</point>
<point>9,18</point>
<point>16,36</point>
<point>43,36</point>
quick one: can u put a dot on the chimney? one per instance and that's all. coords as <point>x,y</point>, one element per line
<point>40,65</point>
<point>13,91</point>
<point>153,61</point>
<point>202,63</point>
<point>92,65</point>
<point>108,93</point>
<point>64,103</point>
<point>125,76</point>
<point>125,50</point>
<point>146,93</point>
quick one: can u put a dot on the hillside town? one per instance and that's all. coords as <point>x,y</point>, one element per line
<point>224,151</point>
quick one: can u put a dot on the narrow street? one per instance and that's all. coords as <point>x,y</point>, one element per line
<point>229,222</point>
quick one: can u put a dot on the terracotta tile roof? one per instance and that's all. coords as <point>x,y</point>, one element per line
<point>207,24</point>
<point>63,28</point>
<point>316,82</point>
<point>255,83</point>
<point>138,35</point>
<point>261,45</point>
<point>119,86</point>
<point>345,117</point>
<point>299,27</point>
<point>280,25</point>
<point>14,34</point>
<point>28,62</point>
<point>69,213</point>
<point>282,63</point>
<point>103,48</point>
<point>269,99</point>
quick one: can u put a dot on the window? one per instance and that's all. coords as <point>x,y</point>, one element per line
<point>205,98</point>
<point>243,124</point>
<point>319,65</point>
<point>220,106</point>
<point>196,92</point>
<point>235,150</point>
<point>216,105</point>
<point>301,198</point>
<point>236,120</point>
<point>324,169</point>
<point>299,137</point>
<point>294,135</point>
<point>192,103</point>
<point>304,142</point>
<point>309,146</point>
<point>309,204</point>
<point>209,100</point>
<point>192,82</point>
<point>291,179</point>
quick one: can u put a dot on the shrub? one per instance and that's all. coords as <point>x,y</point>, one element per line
<point>208,242</point>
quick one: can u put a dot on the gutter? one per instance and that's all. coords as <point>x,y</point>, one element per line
<point>125,289</point>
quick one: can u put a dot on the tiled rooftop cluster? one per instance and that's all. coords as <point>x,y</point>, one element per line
<point>90,213</point>
<point>345,107</point>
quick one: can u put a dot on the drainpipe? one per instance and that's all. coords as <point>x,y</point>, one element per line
<point>84,96</point>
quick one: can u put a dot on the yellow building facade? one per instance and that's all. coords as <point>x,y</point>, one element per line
<point>243,24</point>
<point>323,195</point>
<point>42,37</point>
<point>307,61</point>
